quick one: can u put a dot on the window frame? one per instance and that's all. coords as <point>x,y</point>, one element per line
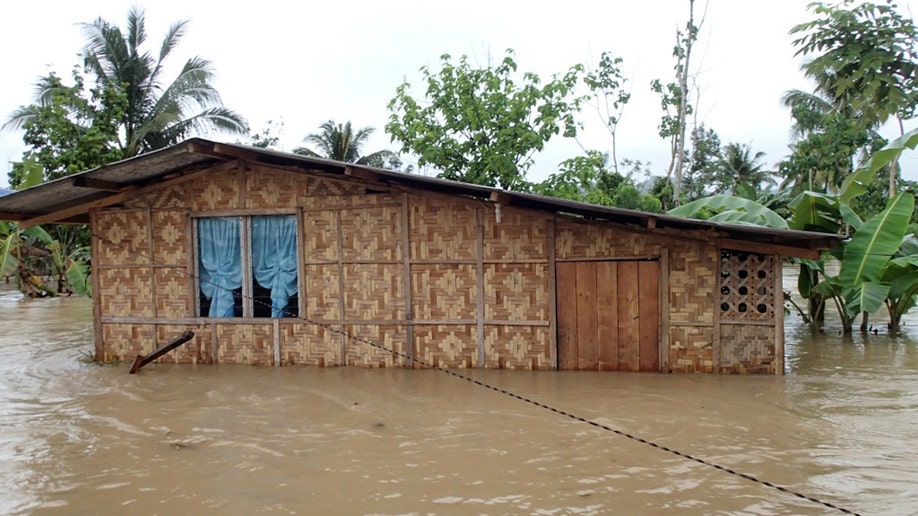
<point>245,248</point>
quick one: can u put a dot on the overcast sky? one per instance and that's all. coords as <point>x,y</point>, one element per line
<point>306,62</point>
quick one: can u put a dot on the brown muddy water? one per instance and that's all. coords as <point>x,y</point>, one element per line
<point>841,426</point>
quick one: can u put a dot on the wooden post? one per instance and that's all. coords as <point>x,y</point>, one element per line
<point>779,315</point>
<point>341,311</point>
<point>664,309</point>
<point>277,353</point>
<point>715,337</point>
<point>480,312</point>
<point>552,297</point>
<point>141,360</point>
<point>97,294</point>
<point>409,299</point>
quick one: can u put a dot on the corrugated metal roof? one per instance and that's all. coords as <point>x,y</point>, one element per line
<point>119,178</point>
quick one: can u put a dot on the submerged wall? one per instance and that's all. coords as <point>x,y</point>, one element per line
<point>451,281</point>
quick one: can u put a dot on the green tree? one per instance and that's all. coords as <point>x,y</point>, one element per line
<point>864,59</point>
<point>607,85</point>
<point>703,176</point>
<point>156,114</point>
<point>483,125</point>
<point>71,129</point>
<point>742,167</point>
<point>342,143</point>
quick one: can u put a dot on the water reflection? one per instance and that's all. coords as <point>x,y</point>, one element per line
<point>77,439</point>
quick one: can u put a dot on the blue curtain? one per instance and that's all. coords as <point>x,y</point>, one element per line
<point>220,263</point>
<point>274,259</point>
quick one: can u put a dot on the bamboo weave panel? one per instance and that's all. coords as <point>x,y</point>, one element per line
<point>443,229</point>
<point>374,292</point>
<point>592,240</point>
<point>251,344</point>
<point>520,235</point>
<point>170,238</point>
<point>172,295</point>
<point>323,293</point>
<point>215,192</point>
<point>360,353</point>
<point>165,198</point>
<point>267,189</point>
<point>309,344</point>
<point>195,351</point>
<point>444,291</point>
<point>450,346</point>
<point>320,236</point>
<point>517,347</point>
<point>126,341</point>
<point>747,349</point>
<point>123,239</point>
<point>693,272</point>
<point>691,349</point>
<point>372,234</point>
<point>125,292</point>
<point>516,292</point>
<point>320,189</point>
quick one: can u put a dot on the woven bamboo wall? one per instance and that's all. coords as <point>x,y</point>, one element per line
<point>472,271</point>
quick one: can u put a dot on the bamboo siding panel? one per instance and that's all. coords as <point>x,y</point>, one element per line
<point>516,292</point>
<point>444,292</point>
<point>172,296</point>
<point>520,235</point>
<point>691,349</point>
<point>451,346</point>
<point>170,239</point>
<point>267,189</point>
<point>166,198</point>
<point>517,347</point>
<point>251,344</point>
<point>126,341</point>
<point>126,292</point>
<point>591,240</point>
<point>747,349</point>
<point>309,344</point>
<point>195,351</point>
<point>323,294</point>
<point>360,353</point>
<point>123,239</point>
<point>693,279</point>
<point>372,234</point>
<point>374,292</point>
<point>320,187</point>
<point>320,236</point>
<point>442,229</point>
<point>215,192</point>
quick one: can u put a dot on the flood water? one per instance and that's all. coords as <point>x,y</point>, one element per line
<point>841,426</point>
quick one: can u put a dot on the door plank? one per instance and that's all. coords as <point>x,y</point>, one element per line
<point>607,317</point>
<point>566,285</point>
<point>587,338</point>
<point>649,285</point>
<point>628,317</point>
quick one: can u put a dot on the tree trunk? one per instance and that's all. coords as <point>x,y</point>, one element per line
<point>682,76</point>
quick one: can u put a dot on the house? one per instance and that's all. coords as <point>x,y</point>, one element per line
<point>279,259</point>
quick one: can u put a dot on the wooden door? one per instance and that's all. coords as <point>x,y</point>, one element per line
<point>608,315</point>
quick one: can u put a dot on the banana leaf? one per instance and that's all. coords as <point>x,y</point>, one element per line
<point>78,277</point>
<point>730,209</point>
<point>866,297</point>
<point>876,242</point>
<point>814,211</point>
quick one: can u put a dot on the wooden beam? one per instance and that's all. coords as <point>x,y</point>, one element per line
<point>765,248</point>
<point>8,215</point>
<point>650,223</point>
<point>115,198</point>
<point>361,173</point>
<point>501,198</point>
<point>97,184</point>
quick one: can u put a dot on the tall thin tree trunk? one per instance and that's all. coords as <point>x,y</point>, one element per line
<point>683,104</point>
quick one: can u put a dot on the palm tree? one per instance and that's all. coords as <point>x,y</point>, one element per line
<point>341,142</point>
<point>156,114</point>
<point>742,167</point>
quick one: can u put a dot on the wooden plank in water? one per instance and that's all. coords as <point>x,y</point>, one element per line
<point>607,317</point>
<point>587,338</point>
<point>649,285</point>
<point>566,285</point>
<point>141,360</point>
<point>628,317</point>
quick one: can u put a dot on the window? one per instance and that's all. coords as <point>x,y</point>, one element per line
<point>247,266</point>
